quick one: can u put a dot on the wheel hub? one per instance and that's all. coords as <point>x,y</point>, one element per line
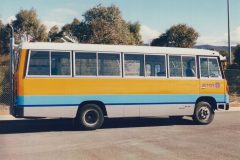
<point>91,117</point>
<point>204,113</point>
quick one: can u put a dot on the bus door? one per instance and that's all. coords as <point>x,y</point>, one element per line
<point>211,78</point>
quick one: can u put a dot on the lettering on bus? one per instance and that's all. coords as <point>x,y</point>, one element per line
<point>211,85</point>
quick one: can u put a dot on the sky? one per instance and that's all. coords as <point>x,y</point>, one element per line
<point>207,17</point>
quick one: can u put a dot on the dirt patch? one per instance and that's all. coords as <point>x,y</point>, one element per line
<point>234,101</point>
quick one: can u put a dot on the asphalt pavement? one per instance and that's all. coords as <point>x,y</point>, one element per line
<point>135,138</point>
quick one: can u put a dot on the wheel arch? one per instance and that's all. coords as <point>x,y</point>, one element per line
<point>211,100</point>
<point>99,103</point>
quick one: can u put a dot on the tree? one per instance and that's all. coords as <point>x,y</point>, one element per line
<point>237,54</point>
<point>27,24</point>
<point>225,54</point>
<point>134,29</point>
<point>54,34</point>
<point>179,35</point>
<point>104,25</point>
<point>4,38</point>
<point>1,41</point>
<point>73,30</point>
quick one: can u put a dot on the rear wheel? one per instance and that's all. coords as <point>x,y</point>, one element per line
<point>90,117</point>
<point>203,113</point>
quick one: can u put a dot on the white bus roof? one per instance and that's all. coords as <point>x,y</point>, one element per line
<point>115,48</point>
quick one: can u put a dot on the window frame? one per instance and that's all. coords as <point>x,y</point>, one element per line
<point>74,65</point>
<point>97,74</point>
<point>28,61</point>
<point>219,68</point>
<point>133,53</point>
<point>120,64</point>
<point>70,57</point>
<point>50,75</point>
<point>195,60</point>
<point>182,77</point>
<point>166,63</point>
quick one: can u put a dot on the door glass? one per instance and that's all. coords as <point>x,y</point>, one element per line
<point>214,70</point>
<point>204,67</point>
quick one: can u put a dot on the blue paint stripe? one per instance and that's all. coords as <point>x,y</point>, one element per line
<point>75,100</point>
<point>113,104</point>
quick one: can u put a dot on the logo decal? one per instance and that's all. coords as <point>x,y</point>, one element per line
<point>211,85</point>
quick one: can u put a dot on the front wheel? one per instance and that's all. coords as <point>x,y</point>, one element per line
<point>203,113</point>
<point>90,117</point>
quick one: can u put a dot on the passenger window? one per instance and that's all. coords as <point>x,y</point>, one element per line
<point>175,66</point>
<point>109,64</point>
<point>85,64</point>
<point>210,68</point>
<point>189,66</point>
<point>134,65</point>
<point>39,63</point>
<point>155,65</point>
<point>60,63</point>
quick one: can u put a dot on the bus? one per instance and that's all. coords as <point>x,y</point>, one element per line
<point>89,82</point>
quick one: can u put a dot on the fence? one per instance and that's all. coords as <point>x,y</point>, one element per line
<point>5,88</point>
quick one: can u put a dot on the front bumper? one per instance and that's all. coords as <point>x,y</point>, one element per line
<point>224,106</point>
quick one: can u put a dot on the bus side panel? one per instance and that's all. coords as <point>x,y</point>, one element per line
<point>122,97</point>
<point>212,88</point>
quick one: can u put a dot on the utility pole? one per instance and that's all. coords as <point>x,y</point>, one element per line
<point>229,34</point>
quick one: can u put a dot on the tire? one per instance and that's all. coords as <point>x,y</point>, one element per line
<point>203,113</point>
<point>90,117</point>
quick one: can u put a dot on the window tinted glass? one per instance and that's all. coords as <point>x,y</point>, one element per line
<point>134,65</point>
<point>214,70</point>
<point>189,66</point>
<point>175,66</point>
<point>155,65</point>
<point>39,63</point>
<point>60,63</point>
<point>109,64</point>
<point>85,64</point>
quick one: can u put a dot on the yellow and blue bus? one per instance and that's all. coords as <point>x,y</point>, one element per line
<point>89,82</point>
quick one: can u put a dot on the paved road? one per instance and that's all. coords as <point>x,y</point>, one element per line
<point>156,138</point>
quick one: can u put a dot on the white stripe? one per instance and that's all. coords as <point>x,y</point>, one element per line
<point>149,110</point>
<point>63,111</point>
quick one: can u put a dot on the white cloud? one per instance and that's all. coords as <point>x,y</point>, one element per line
<point>212,40</point>
<point>50,24</point>
<point>221,40</point>
<point>235,36</point>
<point>9,19</point>
<point>59,17</point>
<point>148,34</point>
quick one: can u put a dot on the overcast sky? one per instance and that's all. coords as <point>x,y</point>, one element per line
<point>208,17</point>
